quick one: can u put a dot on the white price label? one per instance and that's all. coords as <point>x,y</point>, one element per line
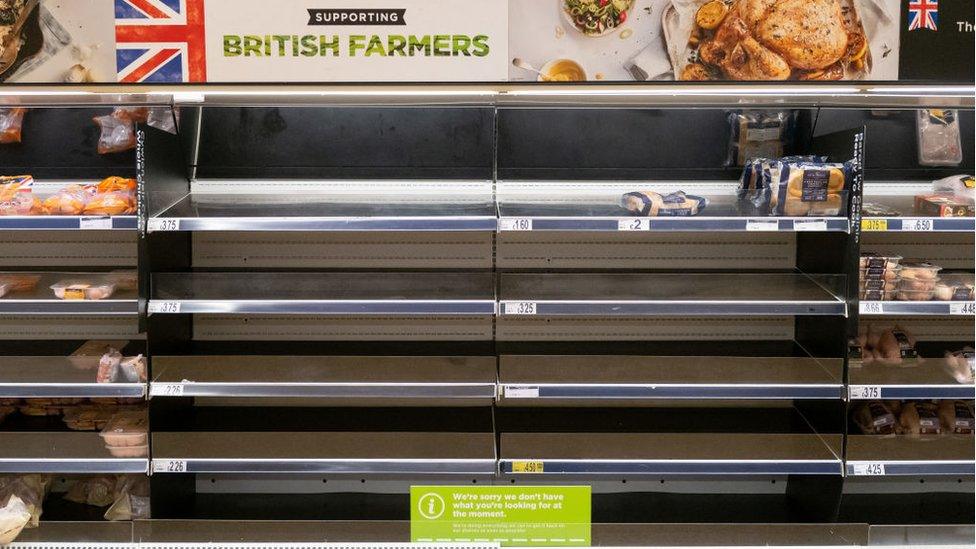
<point>865,392</point>
<point>167,389</point>
<point>636,224</point>
<point>762,225</point>
<point>916,224</point>
<point>104,222</point>
<point>157,224</point>
<point>871,308</point>
<point>165,307</point>
<point>515,224</point>
<point>810,225</point>
<point>169,466</point>
<point>962,308</point>
<point>521,391</point>
<point>869,469</point>
<point>520,308</point>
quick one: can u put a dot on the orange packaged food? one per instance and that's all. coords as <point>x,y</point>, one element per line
<point>11,121</point>
<point>12,185</point>
<point>70,200</point>
<point>115,183</point>
<point>112,203</point>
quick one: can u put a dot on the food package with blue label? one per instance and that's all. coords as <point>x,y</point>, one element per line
<point>810,189</point>
<point>759,177</point>
<point>652,204</point>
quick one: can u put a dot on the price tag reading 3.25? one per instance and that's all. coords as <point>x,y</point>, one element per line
<point>520,308</point>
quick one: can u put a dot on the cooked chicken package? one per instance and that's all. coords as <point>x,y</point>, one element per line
<point>874,418</point>
<point>920,418</point>
<point>652,204</point>
<point>956,417</point>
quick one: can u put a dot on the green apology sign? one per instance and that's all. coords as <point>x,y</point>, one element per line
<point>509,515</point>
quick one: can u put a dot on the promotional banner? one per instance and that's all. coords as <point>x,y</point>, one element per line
<point>226,41</point>
<point>523,516</point>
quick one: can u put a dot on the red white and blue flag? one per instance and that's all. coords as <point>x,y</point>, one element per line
<point>160,41</point>
<point>923,14</point>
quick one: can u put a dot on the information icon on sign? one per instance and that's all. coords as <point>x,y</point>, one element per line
<point>431,506</point>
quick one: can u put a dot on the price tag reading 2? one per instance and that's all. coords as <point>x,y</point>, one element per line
<point>169,466</point>
<point>520,308</point>
<point>638,224</point>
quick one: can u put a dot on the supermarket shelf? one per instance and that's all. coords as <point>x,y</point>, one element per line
<point>62,452</point>
<point>558,380</point>
<point>667,294</point>
<point>919,308</point>
<point>919,224</point>
<point>904,455</point>
<point>627,454</point>
<point>324,294</point>
<point>42,301</point>
<point>78,534</point>
<point>682,224</point>
<point>59,377</point>
<point>364,380</point>
<point>341,453</point>
<point>921,534</point>
<point>67,222</point>
<point>310,212</point>
<point>926,378</point>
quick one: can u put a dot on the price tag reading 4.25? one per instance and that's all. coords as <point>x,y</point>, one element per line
<point>962,308</point>
<point>864,392</point>
<point>535,467</point>
<point>869,469</point>
<point>163,307</point>
<point>915,225</point>
<point>638,224</point>
<point>520,308</point>
<point>169,466</point>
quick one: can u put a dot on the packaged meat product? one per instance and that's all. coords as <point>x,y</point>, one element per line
<point>14,517</point>
<point>98,347</point>
<point>650,203</point>
<point>920,418</point>
<point>872,260</point>
<point>896,344</point>
<point>874,418</point>
<point>111,203</point>
<point>108,367</point>
<point>123,280</point>
<point>955,287</point>
<point>877,285</point>
<point>963,187</point>
<point>809,188</point>
<point>879,273</point>
<point>70,200</point>
<point>919,270</point>
<point>961,365</point>
<point>757,134</point>
<point>135,114</point>
<point>31,489</point>
<point>133,370</point>
<point>20,282</point>
<point>939,140</point>
<point>16,195</point>
<point>11,122</point>
<point>956,417</point>
<point>79,289</point>
<point>118,133</point>
<point>98,491</point>
<point>914,295</point>
<point>938,205</point>
<point>917,284</point>
<point>873,209</point>
<point>876,295</point>
<point>128,451</point>
<point>116,184</point>
<point>128,428</point>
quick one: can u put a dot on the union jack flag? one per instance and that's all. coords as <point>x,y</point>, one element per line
<point>923,14</point>
<point>160,41</point>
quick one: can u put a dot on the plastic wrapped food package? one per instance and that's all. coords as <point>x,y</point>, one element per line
<point>128,428</point>
<point>888,345</point>
<point>757,134</point>
<point>11,122</point>
<point>98,491</point>
<point>809,188</point>
<point>118,133</point>
<point>874,418</point>
<point>956,417</point>
<point>873,209</point>
<point>14,517</point>
<point>131,498</point>
<point>652,204</point>
<point>70,200</point>
<point>133,370</point>
<point>163,118</point>
<point>963,187</point>
<point>82,290</point>
<point>943,205</point>
<point>917,284</point>
<point>871,260</point>
<point>16,195</point>
<point>939,139</point>
<point>108,367</point>
<point>961,365</point>
<point>920,418</point>
<point>919,270</point>
<point>135,114</point>
<point>116,184</point>
<point>112,203</point>
<point>31,489</point>
<point>955,287</point>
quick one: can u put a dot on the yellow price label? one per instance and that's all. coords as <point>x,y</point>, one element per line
<point>527,467</point>
<point>874,224</point>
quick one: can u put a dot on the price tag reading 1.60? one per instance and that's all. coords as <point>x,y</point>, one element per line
<point>515,224</point>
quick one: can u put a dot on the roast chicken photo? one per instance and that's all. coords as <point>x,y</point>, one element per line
<point>776,40</point>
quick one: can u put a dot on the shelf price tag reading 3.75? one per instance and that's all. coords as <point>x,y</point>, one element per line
<point>874,225</point>
<point>862,392</point>
<point>520,308</point>
<point>164,307</point>
<point>156,224</point>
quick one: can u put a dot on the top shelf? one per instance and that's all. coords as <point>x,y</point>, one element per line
<point>605,95</point>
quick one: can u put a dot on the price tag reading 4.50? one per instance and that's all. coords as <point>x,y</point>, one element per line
<point>520,308</point>
<point>869,469</point>
<point>863,392</point>
<point>169,466</point>
<point>638,224</point>
<point>915,225</point>
<point>528,467</point>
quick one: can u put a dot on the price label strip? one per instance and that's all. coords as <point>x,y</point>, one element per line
<point>515,224</point>
<point>874,225</point>
<point>865,392</point>
<point>871,308</point>
<point>521,308</point>
<point>95,223</point>
<point>529,467</point>
<point>164,307</point>
<point>637,224</point>
<point>868,469</point>
<point>521,391</point>
<point>169,466</point>
<point>769,225</point>
<point>810,225</point>
<point>915,225</point>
